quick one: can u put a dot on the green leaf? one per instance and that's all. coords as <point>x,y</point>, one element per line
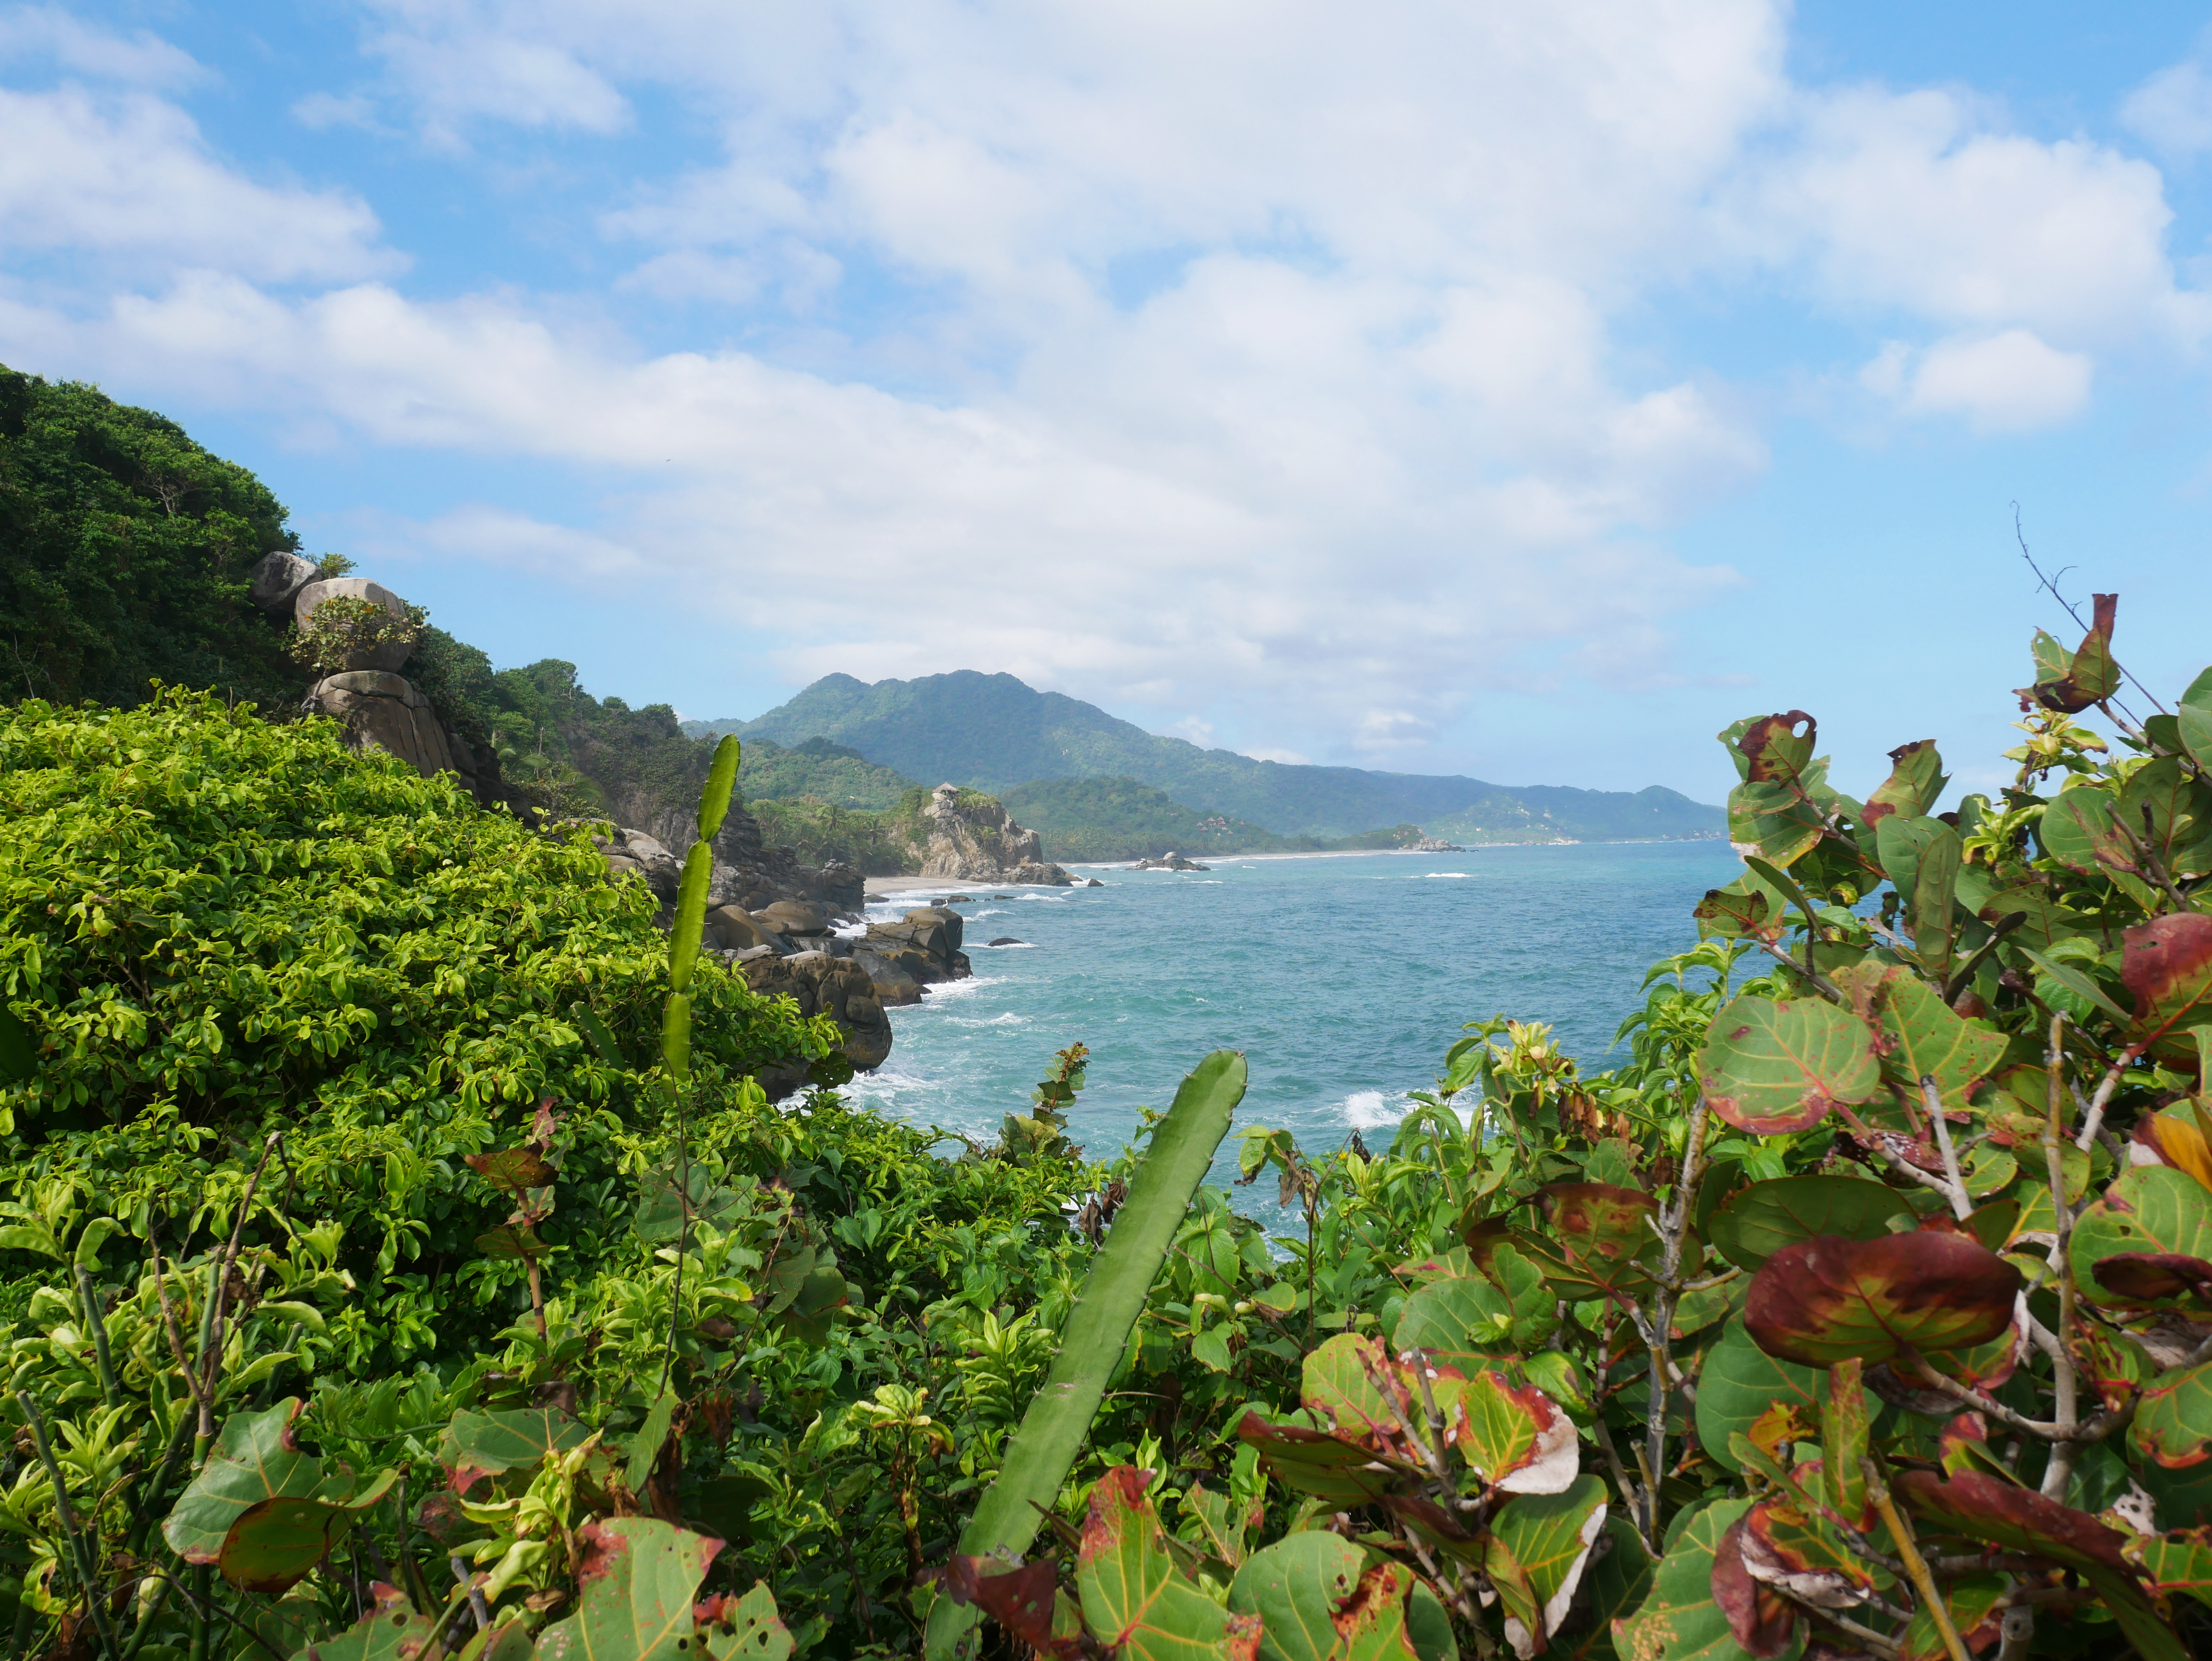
<point>690,917</point>
<point>1550,1536</point>
<point>2075,981</point>
<point>254,1459</point>
<point>2194,716</point>
<point>1051,1432</point>
<point>519,1240</point>
<point>1463,1321</point>
<point>2179,1562</point>
<point>1740,1383</point>
<point>1971,1599</point>
<point>1604,1231</point>
<point>2168,811</point>
<point>1769,1066</point>
<point>480,1445</point>
<point>2152,1210</point>
<point>1914,783</point>
<point>1516,1438</point>
<point>721,780</point>
<point>273,1544</point>
<point>637,1585</point>
<point>1134,1599</point>
<point>1617,1583</point>
<point>1778,821</point>
<point>1293,1588</point>
<point>1679,1620</point>
<point>2072,682</point>
<point>757,1632</point>
<point>393,1632</point>
<point>1922,1036</point>
<point>1830,1299</point>
<point>1756,1222</point>
<point>2076,830</point>
<point>1898,843</point>
<point>642,1446</point>
<point>2173,1419</point>
<point>1935,886</point>
<point>1226,1525</point>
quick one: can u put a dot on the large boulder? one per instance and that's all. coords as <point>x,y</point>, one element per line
<point>971,838</point>
<point>793,917</point>
<point>740,931</point>
<point>632,853</point>
<point>924,946</point>
<point>276,579</point>
<point>384,712</point>
<point>836,986</point>
<point>388,655</point>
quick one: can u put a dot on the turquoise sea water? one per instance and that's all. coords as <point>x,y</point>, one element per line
<point>1344,979</point>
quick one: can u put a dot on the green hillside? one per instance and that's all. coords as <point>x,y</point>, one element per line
<point>994,732</point>
<point>1122,820</point>
<point>818,770</point>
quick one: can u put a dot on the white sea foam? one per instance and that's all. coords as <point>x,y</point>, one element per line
<point>945,991</point>
<point>1009,1018</point>
<point>1441,873</point>
<point>1371,1110</point>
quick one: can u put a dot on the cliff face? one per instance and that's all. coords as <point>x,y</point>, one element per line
<point>970,837</point>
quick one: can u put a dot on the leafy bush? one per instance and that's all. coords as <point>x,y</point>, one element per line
<point>342,627</point>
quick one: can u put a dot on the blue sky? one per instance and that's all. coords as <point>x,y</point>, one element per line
<point>1523,391</point>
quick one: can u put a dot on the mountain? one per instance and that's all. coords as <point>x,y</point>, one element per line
<point>994,732</point>
<point>818,770</point>
<point>1122,820</point>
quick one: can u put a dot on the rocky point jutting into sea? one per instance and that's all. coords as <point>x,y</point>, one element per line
<point>791,930</point>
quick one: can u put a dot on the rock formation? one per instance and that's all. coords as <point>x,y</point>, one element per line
<point>972,838</point>
<point>1170,861</point>
<point>387,655</point>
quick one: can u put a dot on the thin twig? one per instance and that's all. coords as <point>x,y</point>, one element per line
<point>88,1570</point>
<point>1916,1566</point>
<point>2060,1468</point>
<point>1961,1206</point>
<point>1663,1315</point>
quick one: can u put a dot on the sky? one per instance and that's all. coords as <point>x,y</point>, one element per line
<point>1521,390</point>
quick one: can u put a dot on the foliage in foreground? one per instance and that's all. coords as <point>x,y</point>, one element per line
<point>1912,1230</point>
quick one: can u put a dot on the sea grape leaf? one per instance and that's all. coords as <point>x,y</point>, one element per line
<point>1919,1036</point>
<point>478,1445</point>
<point>2173,1419</point>
<point>1339,1384</point>
<point>2071,682</point>
<point>1316,1462</point>
<point>1971,1600</point>
<point>757,1632</point>
<point>2193,717</point>
<point>1828,1299</point>
<point>1760,1619</point>
<point>2179,1562</point>
<point>1845,1426</point>
<point>1790,1547</point>
<point>1898,844</point>
<point>1756,1222</point>
<point>255,1460</point>
<point>1741,1382</point>
<point>390,1631</point>
<point>660,1217</point>
<point>1680,1621</point>
<point>1292,1588</point>
<point>1774,751</point>
<point>1385,1619</point>
<point>512,1240</point>
<point>1778,821</point>
<point>1603,1230</point>
<point>1935,894</point>
<point>1134,1599</point>
<point>1516,1593</point>
<point>1616,1583</point>
<point>276,1542</point>
<point>1916,781</point>
<point>1227,1526</point>
<point>1738,911</point>
<point>1984,1506</point>
<point>1517,1438</point>
<point>2165,806</point>
<point>639,1578</point>
<point>2076,830</point>
<point>1769,1066</point>
<point>1022,1600</point>
<point>2167,964</point>
<point>1550,1536</point>
<point>1461,1321</point>
<point>2152,1210</point>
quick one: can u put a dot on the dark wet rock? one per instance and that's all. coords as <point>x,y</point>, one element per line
<point>1006,940</point>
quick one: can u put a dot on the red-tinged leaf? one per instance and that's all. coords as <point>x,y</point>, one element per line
<point>2167,965</point>
<point>1515,1439</point>
<point>1916,781</point>
<point>1373,1622</point>
<point>1790,1548</point>
<point>1776,751</point>
<point>1918,1035</point>
<point>1134,1598</point>
<point>1431,1523</point>
<point>1317,1463</point>
<point>1604,1230</point>
<point>637,1586</point>
<point>2090,674</point>
<point>1972,1602</point>
<point>512,1240</point>
<point>515,1170</point>
<point>1844,1427</point>
<point>1020,1600</point>
<point>1678,1618</point>
<point>1762,1619</point>
<point>2145,1277</point>
<point>1737,912</point>
<point>1354,1385</point>
<point>2179,1562</point>
<point>1829,1299</point>
<point>1770,1067</point>
<point>2173,1421</point>
<point>2151,1211</point>
<point>1294,1589</point>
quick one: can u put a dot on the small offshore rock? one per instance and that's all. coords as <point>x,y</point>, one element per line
<point>1170,861</point>
<point>1006,940</point>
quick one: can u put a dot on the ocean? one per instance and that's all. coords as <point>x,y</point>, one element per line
<point>1344,978</point>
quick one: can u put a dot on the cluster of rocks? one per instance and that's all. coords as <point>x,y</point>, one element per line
<point>1170,861</point>
<point>977,841</point>
<point>379,707</point>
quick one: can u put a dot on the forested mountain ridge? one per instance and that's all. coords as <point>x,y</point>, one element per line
<point>996,733</point>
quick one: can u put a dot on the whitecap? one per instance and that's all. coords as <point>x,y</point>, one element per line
<point>941,991</point>
<point>1371,1110</point>
<point>1009,1018</point>
<point>1443,873</point>
<point>1018,946</point>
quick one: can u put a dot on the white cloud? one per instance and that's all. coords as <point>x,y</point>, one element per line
<point>2003,383</point>
<point>34,33</point>
<point>128,179</point>
<point>2172,110</point>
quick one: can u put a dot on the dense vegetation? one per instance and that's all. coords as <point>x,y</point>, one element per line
<point>1865,1308</point>
<point>819,770</point>
<point>124,553</point>
<point>1122,820</point>
<point>993,732</point>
